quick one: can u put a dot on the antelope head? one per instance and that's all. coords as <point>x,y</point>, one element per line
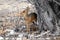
<point>25,12</point>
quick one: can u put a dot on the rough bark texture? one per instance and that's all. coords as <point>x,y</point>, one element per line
<point>47,15</point>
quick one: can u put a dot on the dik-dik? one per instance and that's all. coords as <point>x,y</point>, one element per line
<point>29,18</point>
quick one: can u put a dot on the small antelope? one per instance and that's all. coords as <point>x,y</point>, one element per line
<point>29,18</point>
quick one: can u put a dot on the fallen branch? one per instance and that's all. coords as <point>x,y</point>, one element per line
<point>42,34</point>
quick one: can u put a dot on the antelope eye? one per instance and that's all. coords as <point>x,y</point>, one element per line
<point>23,11</point>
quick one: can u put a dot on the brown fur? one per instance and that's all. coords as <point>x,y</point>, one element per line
<point>29,18</point>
